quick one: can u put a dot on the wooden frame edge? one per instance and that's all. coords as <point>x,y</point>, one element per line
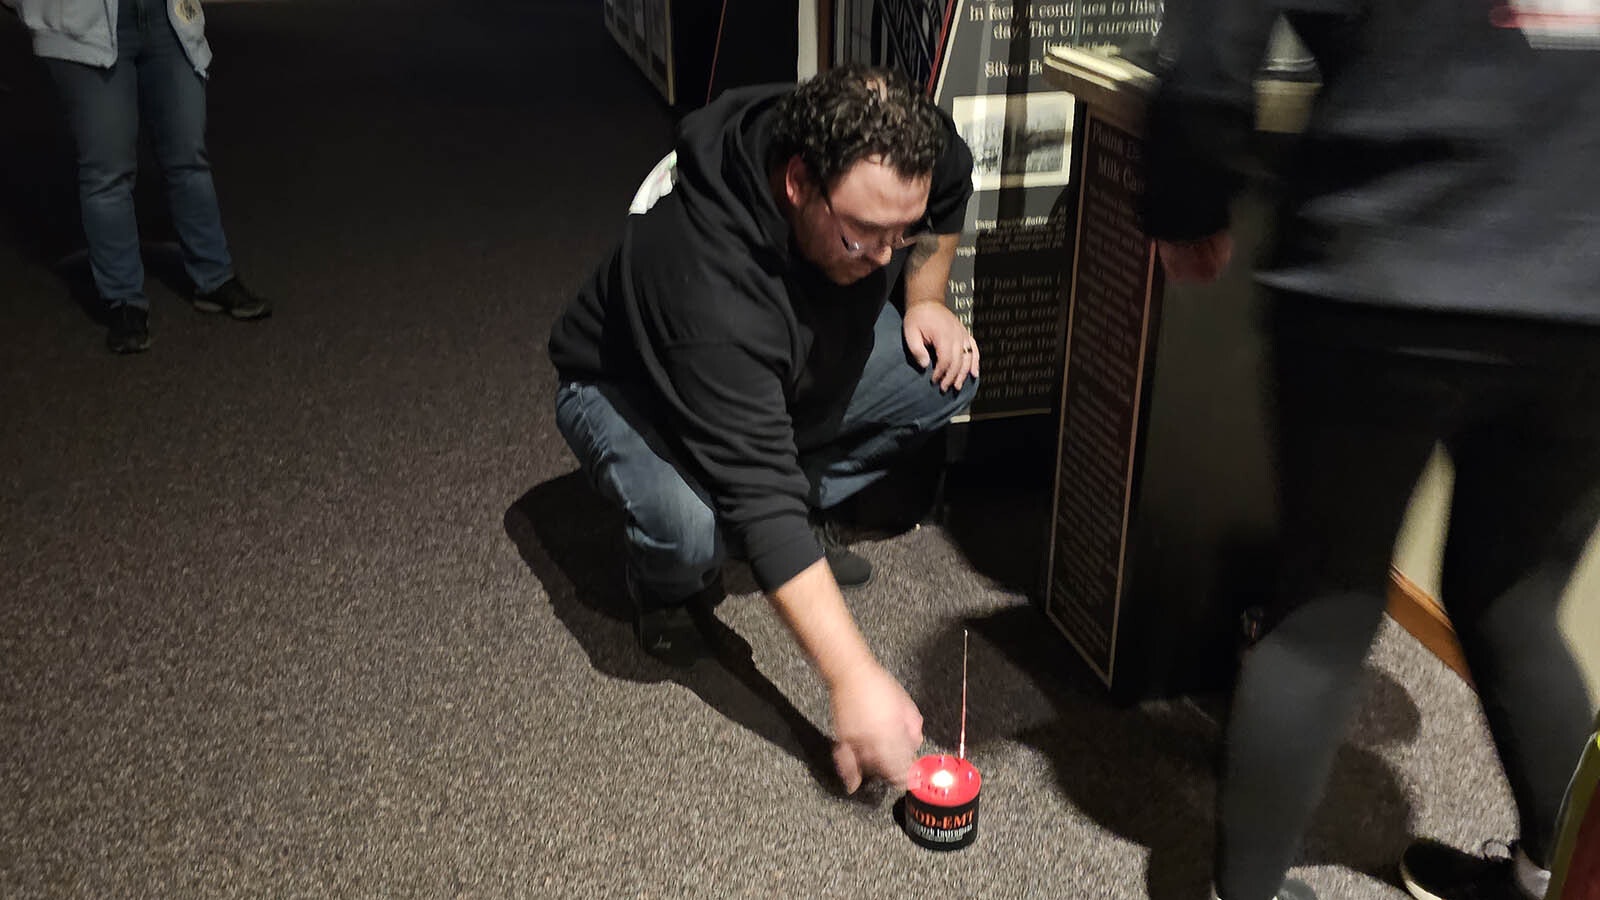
<point>1426,620</point>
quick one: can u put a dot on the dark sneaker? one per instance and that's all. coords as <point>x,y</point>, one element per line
<point>667,631</point>
<point>850,569</point>
<point>1435,871</point>
<point>233,298</point>
<point>128,329</point>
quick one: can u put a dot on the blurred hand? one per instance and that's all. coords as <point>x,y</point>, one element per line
<point>1196,262</point>
<point>955,353</point>
<point>877,728</point>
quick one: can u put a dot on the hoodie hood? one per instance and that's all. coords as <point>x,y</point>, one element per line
<point>722,173</point>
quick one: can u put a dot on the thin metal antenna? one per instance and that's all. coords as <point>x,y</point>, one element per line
<point>961,751</point>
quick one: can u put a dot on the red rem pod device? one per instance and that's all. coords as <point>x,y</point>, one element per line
<point>941,811</point>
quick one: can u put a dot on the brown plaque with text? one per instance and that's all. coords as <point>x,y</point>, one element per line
<point>1115,302</point>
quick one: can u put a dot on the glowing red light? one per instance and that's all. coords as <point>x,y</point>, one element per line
<point>944,780</point>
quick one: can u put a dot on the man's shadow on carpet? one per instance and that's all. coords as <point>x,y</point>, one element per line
<point>571,539</point>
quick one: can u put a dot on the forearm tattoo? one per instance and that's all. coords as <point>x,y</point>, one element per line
<point>922,251</point>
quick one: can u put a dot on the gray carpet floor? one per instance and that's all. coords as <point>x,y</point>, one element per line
<point>316,607</point>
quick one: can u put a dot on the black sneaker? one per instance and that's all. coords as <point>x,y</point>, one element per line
<point>128,329</point>
<point>667,631</point>
<point>233,298</point>
<point>1435,871</point>
<point>849,569</point>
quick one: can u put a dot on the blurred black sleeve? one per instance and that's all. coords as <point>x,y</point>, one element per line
<point>1202,118</point>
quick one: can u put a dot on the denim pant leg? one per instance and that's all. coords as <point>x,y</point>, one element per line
<point>895,407</point>
<point>173,97</point>
<point>674,547</point>
<point>102,107</point>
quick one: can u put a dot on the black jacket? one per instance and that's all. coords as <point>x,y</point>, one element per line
<point>1449,163</point>
<point>743,354</point>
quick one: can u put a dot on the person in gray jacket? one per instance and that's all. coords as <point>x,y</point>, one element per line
<point>117,62</point>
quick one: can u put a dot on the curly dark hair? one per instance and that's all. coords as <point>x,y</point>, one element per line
<point>853,112</point>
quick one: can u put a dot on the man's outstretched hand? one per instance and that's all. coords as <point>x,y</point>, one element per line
<point>877,728</point>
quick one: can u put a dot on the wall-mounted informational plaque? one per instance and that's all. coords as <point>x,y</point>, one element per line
<point>1111,321</point>
<point>1162,514</point>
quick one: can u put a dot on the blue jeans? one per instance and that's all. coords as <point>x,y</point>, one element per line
<point>152,75</point>
<point>675,547</point>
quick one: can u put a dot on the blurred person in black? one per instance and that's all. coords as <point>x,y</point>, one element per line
<point>1435,278</point>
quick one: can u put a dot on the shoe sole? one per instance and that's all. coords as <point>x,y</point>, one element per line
<point>243,315</point>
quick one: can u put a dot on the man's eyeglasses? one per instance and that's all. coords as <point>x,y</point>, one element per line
<point>861,248</point>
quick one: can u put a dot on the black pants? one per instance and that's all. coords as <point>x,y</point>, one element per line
<point>1363,397</point>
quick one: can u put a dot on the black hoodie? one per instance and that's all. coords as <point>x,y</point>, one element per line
<point>1449,163</point>
<point>743,354</point>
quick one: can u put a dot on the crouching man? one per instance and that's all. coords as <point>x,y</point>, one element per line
<point>767,337</point>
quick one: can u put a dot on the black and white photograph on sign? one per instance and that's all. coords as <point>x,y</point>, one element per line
<point>1017,140</point>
